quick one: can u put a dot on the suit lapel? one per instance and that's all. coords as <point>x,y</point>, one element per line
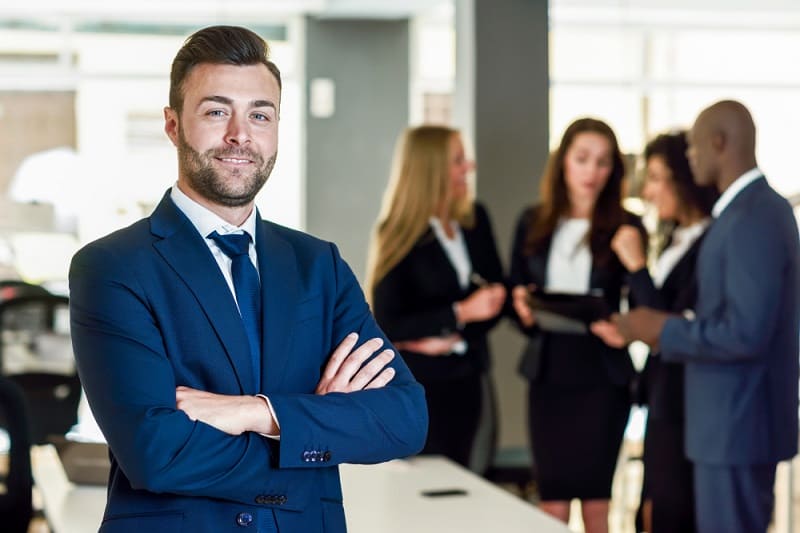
<point>537,264</point>
<point>440,263</point>
<point>277,265</point>
<point>188,255</point>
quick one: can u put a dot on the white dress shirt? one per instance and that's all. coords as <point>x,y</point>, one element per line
<point>682,239</point>
<point>734,189</point>
<point>456,251</point>
<point>207,222</point>
<point>569,263</point>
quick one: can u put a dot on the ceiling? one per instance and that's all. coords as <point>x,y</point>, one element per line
<point>185,10</point>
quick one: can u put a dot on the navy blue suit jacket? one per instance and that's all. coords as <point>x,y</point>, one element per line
<point>151,310</point>
<point>741,351</point>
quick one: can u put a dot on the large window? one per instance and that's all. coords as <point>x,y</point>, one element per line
<point>648,67</point>
<point>82,127</point>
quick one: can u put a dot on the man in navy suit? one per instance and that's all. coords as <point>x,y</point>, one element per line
<point>230,383</point>
<point>741,347</point>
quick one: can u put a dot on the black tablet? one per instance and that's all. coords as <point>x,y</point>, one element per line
<point>567,313</point>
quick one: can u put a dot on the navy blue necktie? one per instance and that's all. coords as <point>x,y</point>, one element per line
<point>247,288</point>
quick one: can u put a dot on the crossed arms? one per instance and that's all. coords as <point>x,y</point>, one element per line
<point>134,346</point>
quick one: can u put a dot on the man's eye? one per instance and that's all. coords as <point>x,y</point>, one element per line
<point>215,113</point>
<point>260,116</point>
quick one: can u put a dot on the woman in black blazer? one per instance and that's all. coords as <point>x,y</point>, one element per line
<point>435,282</point>
<point>579,387</point>
<point>684,209</point>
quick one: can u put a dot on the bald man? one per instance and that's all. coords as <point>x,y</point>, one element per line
<point>740,346</point>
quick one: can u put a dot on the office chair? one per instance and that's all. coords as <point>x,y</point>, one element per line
<point>52,401</point>
<point>14,288</point>
<point>35,328</point>
<point>16,507</point>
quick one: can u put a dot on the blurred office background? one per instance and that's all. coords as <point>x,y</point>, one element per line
<point>83,84</point>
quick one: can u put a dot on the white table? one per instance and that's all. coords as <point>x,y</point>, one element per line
<point>69,508</point>
<point>387,498</point>
<point>382,498</point>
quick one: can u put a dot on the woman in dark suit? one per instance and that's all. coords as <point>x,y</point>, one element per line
<point>684,208</point>
<point>435,282</point>
<point>579,386</point>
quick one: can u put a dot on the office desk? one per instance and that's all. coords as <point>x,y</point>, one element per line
<point>383,498</point>
<point>387,498</point>
<point>69,508</point>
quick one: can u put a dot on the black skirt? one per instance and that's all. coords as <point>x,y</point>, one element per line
<point>576,432</point>
<point>454,410</point>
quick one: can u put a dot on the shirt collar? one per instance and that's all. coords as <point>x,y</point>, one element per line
<point>206,221</point>
<point>691,232</point>
<point>734,189</point>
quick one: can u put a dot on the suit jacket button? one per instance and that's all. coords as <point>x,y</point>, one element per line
<point>261,499</point>
<point>244,519</point>
<point>326,456</point>
<point>282,499</point>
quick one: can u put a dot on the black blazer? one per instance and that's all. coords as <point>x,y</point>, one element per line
<point>591,360</point>
<point>662,381</point>
<point>415,299</point>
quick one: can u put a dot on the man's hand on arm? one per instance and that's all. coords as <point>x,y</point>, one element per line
<point>232,414</point>
<point>344,371</point>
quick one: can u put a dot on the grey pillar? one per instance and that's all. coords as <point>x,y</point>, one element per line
<point>502,99</point>
<point>349,153</point>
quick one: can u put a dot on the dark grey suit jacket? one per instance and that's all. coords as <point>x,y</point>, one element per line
<point>741,351</point>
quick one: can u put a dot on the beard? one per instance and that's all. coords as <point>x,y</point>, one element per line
<point>241,186</point>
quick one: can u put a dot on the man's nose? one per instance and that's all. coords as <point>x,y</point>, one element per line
<point>238,132</point>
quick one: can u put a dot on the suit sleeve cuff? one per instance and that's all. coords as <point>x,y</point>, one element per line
<point>274,417</point>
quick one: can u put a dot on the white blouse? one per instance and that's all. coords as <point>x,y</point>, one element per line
<point>569,264</point>
<point>455,249</point>
<point>682,240</point>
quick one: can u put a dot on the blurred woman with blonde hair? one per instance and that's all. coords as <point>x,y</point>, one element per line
<point>435,281</point>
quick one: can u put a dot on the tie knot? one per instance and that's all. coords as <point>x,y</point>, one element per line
<point>232,244</point>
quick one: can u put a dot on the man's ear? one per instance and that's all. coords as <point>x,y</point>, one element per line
<point>171,124</point>
<point>718,141</point>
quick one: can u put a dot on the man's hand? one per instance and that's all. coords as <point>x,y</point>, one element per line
<point>232,414</point>
<point>643,323</point>
<point>344,372</point>
<point>431,346</point>
<point>608,333</point>
<point>519,297</point>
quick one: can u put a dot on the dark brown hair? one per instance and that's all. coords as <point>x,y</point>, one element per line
<point>554,200</point>
<point>222,45</point>
<point>671,147</point>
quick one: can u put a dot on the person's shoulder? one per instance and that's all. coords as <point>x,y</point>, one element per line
<point>125,241</point>
<point>482,217</point>
<point>529,213</point>
<point>631,218</point>
<point>301,242</point>
<point>480,210</point>
<point>761,201</point>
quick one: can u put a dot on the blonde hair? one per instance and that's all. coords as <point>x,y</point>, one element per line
<point>418,184</point>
